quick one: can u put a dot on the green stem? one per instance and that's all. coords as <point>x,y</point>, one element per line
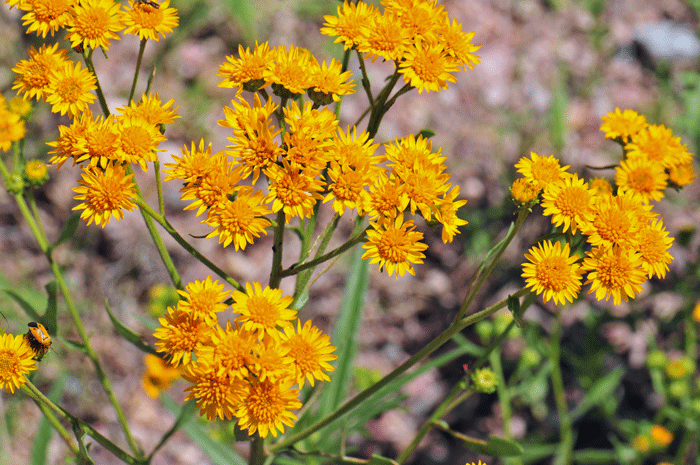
<point>257,451</point>
<point>297,267</point>
<point>322,241</point>
<point>100,94</point>
<point>185,245</point>
<point>566,433</point>
<point>420,355</point>
<point>57,426</point>
<point>159,188</point>
<point>277,249</point>
<point>477,283</point>
<point>137,70</point>
<point>38,396</point>
<point>503,394</point>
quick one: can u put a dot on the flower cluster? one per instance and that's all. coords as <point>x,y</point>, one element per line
<point>247,370</point>
<point>417,36</point>
<point>628,241</point>
<point>12,128</point>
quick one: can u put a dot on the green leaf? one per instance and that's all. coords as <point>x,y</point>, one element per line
<point>379,460</point>
<point>345,331</point>
<point>28,308</point>
<point>40,446</point>
<point>495,446</point>
<point>128,334</point>
<point>69,229</point>
<point>596,456</point>
<point>599,392</point>
<point>217,452</point>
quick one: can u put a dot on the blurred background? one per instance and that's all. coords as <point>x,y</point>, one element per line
<point>549,70</point>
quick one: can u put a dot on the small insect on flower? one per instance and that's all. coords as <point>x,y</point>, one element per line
<point>149,3</point>
<point>38,339</point>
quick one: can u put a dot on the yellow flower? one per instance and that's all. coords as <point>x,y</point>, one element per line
<point>310,351</point>
<point>328,83</point>
<point>446,214</point>
<point>395,245</point>
<point>553,272</point>
<point>70,89</point>
<point>147,22</point>
<point>385,38</point>
<point>263,310</point>
<point>386,198</point>
<point>36,172</point>
<point>248,69</point>
<point>218,181</point>
<point>139,141</point>
<point>541,171</point>
<point>524,191</point>
<point>293,190</point>
<point>100,144</point>
<point>427,66</point>
<point>266,406</point>
<point>12,129</point>
<point>272,360</point>
<point>569,202</point>
<point>643,177</point>
<point>661,435</point>
<point>657,144</point>
<point>20,106</point>
<point>641,444</point>
<point>622,125</point>
<point>95,23</point>
<point>48,16</point>
<point>290,71</point>
<point>151,110</point>
<point>180,333</point>
<point>614,271</point>
<point>16,360</point>
<point>217,393</point>
<point>204,299</point>
<point>696,313</point>
<point>681,175</point>
<point>158,376</point>
<point>351,25</point>
<point>616,221</point>
<point>240,220</point>
<point>600,186</point>
<point>231,350</point>
<point>457,43</point>
<point>71,143</point>
<point>676,369</point>
<point>105,194</point>
<point>193,165</point>
<point>654,245</point>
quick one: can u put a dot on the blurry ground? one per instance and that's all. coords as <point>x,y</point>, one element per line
<point>494,115</point>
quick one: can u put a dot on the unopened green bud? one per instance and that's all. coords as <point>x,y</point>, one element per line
<point>502,321</point>
<point>14,183</point>
<point>36,173</point>
<point>484,329</point>
<point>656,359</point>
<point>678,389</point>
<point>531,357</point>
<point>484,380</point>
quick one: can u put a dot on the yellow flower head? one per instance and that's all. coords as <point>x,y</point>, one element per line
<point>34,75</point>
<point>47,16</point>
<point>553,272</point>
<point>541,171</point>
<point>95,23</point>
<point>158,376</point>
<point>657,144</point>
<point>641,444</point>
<point>216,184</point>
<point>266,406</point>
<point>204,299</point>
<point>681,175</point>
<point>643,177</point>
<point>100,142</point>
<point>622,125</point>
<point>386,198</point>
<point>614,271</point>
<point>180,333</point>
<point>151,110</point>
<point>139,141</point>
<point>661,435</point>
<point>446,214</point>
<point>16,361</point>
<point>395,245</point>
<point>70,89</point>
<point>217,393</point>
<point>385,37</point>
<point>72,143</point>
<point>600,186</point>
<point>36,172</point>
<point>263,310</point>
<point>457,43</point>
<point>105,194</point>
<point>351,25</point>
<point>231,350</point>
<point>194,163</point>
<point>12,129</point>
<point>310,351</point>
<point>696,313</point>
<point>248,69</point>
<point>654,245</point>
<point>524,191</point>
<point>617,220</point>
<point>569,201</point>
<point>328,83</point>
<point>240,220</point>
<point>147,22</point>
<point>20,106</point>
<point>290,71</point>
<point>427,66</point>
<point>293,190</point>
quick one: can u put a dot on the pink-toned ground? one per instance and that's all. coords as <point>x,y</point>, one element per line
<point>492,116</point>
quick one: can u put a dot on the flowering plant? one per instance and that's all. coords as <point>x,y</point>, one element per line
<point>242,349</point>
